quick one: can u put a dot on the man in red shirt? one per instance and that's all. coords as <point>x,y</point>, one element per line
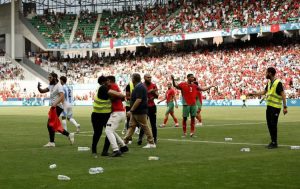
<point>189,94</point>
<point>170,98</point>
<point>152,93</point>
<point>116,117</point>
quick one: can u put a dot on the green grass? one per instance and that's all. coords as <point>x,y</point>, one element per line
<point>184,163</point>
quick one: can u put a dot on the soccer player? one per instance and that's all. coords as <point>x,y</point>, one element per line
<point>56,99</point>
<point>199,99</point>
<point>275,100</point>
<point>68,113</point>
<point>171,100</point>
<point>116,117</point>
<point>189,94</point>
<point>152,93</point>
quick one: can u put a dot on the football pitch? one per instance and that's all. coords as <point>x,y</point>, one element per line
<point>204,161</point>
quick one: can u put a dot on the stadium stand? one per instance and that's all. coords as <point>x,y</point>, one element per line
<point>9,71</point>
<point>177,17</point>
<point>120,24</point>
<point>198,16</point>
<point>86,26</point>
<point>235,68</point>
<point>53,27</point>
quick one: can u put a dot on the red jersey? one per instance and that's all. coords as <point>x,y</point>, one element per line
<point>189,93</point>
<point>199,96</point>
<point>151,96</point>
<point>169,95</point>
<point>116,104</point>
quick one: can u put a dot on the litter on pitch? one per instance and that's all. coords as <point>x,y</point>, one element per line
<point>52,166</point>
<point>228,139</point>
<point>96,170</point>
<point>245,150</point>
<point>63,177</point>
<point>81,149</point>
<point>295,147</point>
<point>153,158</point>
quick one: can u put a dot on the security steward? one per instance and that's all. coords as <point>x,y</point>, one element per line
<point>100,115</point>
<point>275,100</point>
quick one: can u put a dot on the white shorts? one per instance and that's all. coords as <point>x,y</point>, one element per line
<point>68,112</point>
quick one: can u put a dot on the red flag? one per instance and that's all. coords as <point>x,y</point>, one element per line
<point>275,28</point>
<point>54,121</point>
<point>111,43</point>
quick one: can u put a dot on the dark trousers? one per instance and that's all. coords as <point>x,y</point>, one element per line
<point>99,121</point>
<point>128,118</point>
<point>152,117</point>
<point>50,129</point>
<point>272,115</point>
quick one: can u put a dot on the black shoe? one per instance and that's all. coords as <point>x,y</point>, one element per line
<point>272,145</point>
<point>116,153</point>
<point>139,142</point>
<point>124,149</point>
<point>104,154</point>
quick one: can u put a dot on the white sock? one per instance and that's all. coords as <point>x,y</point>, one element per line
<point>64,123</point>
<point>72,120</point>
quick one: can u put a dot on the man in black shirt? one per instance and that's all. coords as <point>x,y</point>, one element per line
<point>275,98</point>
<point>138,111</point>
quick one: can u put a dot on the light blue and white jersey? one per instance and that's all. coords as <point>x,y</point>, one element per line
<point>68,95</point>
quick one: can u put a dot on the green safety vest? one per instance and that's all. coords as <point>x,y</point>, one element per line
<point>100,105</point>
<point>273,99</point>
<point>131,86</point>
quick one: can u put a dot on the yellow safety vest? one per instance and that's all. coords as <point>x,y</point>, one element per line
<point>100,105</point>
<point>273,99</point>
<point>131,86</point>
<point>243,97</point>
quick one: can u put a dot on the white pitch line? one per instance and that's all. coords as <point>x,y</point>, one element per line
<point>214,125</point>
<point>86,132</point>
<point>233,124</point>
<point>219,142</point>
<point>211,142</point>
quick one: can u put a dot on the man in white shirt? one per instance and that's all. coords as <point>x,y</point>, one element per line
<point>56,99</point>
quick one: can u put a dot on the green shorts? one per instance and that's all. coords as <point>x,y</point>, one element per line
<point>199,105</point>
<point>187,110</point>
<point>170,107</point>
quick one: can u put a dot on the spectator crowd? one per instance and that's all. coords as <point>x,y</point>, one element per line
<point>236,70</point>
<point>175,17</point>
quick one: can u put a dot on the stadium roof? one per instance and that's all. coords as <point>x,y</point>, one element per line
<point>92,5</point>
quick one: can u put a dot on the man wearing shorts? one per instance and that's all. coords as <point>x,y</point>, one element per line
<point>171,102</point>
<point>68,110</point>
<point>189,95</point>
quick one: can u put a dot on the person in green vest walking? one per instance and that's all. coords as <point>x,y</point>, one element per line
<point>275,98</point>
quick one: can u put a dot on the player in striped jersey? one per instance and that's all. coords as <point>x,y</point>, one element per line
<point>68,113</point>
